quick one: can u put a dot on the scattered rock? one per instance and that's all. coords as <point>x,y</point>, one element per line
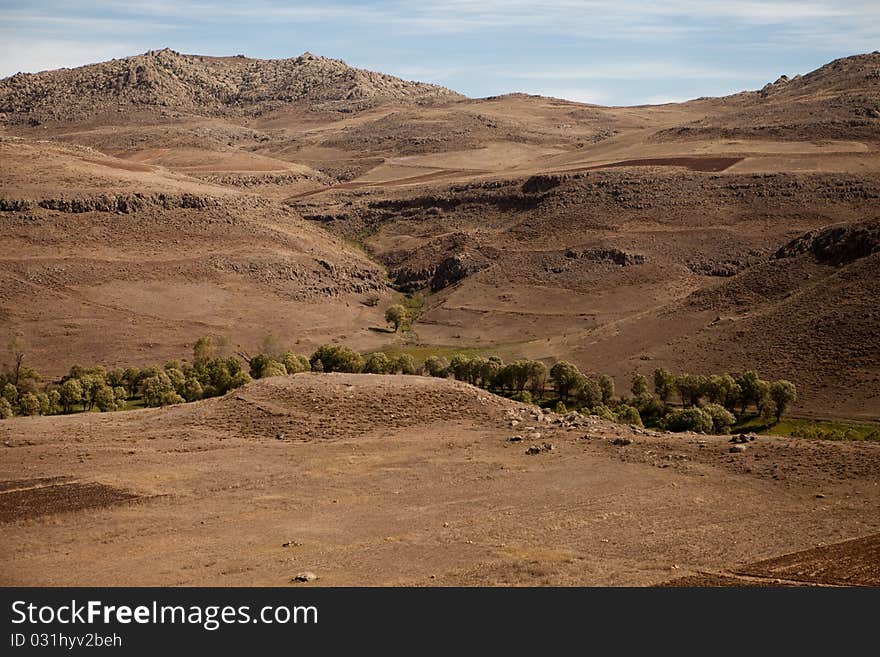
<point>534,449</point>
<point>820,496</point>
<point>622,441</point>
<point>737,448</point>
<point>289,544</point>
<point>547,447</point>
<point>306,576</point>
<point>515,439</point>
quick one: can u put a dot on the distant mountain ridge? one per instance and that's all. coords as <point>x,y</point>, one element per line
<point>165,80</point>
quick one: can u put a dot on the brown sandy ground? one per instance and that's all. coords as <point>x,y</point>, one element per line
<point>369,480</point>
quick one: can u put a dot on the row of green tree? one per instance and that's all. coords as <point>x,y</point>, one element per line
<point>23,391</point>
<point>679,402</point>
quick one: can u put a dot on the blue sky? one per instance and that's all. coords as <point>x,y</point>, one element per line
<point>614,53</point>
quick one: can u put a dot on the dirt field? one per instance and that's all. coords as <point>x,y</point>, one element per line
<point>370,480</point>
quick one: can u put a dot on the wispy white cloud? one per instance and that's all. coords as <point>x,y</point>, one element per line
<point>592,19</point>
<point>630,70</point>
<point>28,55</point>
<point>588,50</point>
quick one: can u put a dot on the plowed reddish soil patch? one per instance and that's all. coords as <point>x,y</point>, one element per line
<point>21,504</point>
<point>693,163</point>
<point>712,580</point>
<point>851,563</point>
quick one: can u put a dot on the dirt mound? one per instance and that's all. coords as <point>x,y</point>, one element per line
<point>170,83</point>
<point>336,406</point>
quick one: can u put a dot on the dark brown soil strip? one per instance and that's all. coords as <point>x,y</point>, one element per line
<point>62,498</point>
<point>710,164</point>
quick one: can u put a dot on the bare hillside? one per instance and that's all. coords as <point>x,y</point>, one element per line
<point>152,199</point>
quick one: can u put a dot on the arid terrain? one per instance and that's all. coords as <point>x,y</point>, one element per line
<point>409,480</point>
<point>148,201</point>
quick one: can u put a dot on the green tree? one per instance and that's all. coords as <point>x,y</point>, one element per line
<point>192,389</point>
<point>28,404</point>
<point>295,364</point>
<point>120,394</point>
<point>639,386</point>
<point>722,419</point>
<point>687,419</point>
<point>460,365</point>
<point>176,376</point>
<point>664,384</point>
<point>257,364</point>
<point>239,379</point>
<point>751,390</point>
<point>436,366</point>
<point>5,409</point>
<point>628,415</point>
<point>606,385</point>
<point>692,388</point>
<point>337,359</point>
<point>784,394</point>
<point>71,394</point>
<point>377,363</point>
<point>10,393</point>
<point>650,408</point>
<point>91,381</point>
<point>403,364</point>
<point>588,392</point>
<point>105,399</point>
<point>203,352</point>
<point>396,315</point>
<point>602,411</point>
<point>490,371</point>
<point>54,398</point>
<point>130,379</point>
<point>565,377</point>
<point>273,368</point>
<point>157,390</point>
<point>537,374</point>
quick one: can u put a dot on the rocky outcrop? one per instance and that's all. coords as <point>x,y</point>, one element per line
<point>837,245</point>
<point>616,256</point>
<point>449,271</point>
<point>171,83</point>
<point>118,203</point>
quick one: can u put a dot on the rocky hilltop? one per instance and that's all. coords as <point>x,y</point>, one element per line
<point>177,84</point>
